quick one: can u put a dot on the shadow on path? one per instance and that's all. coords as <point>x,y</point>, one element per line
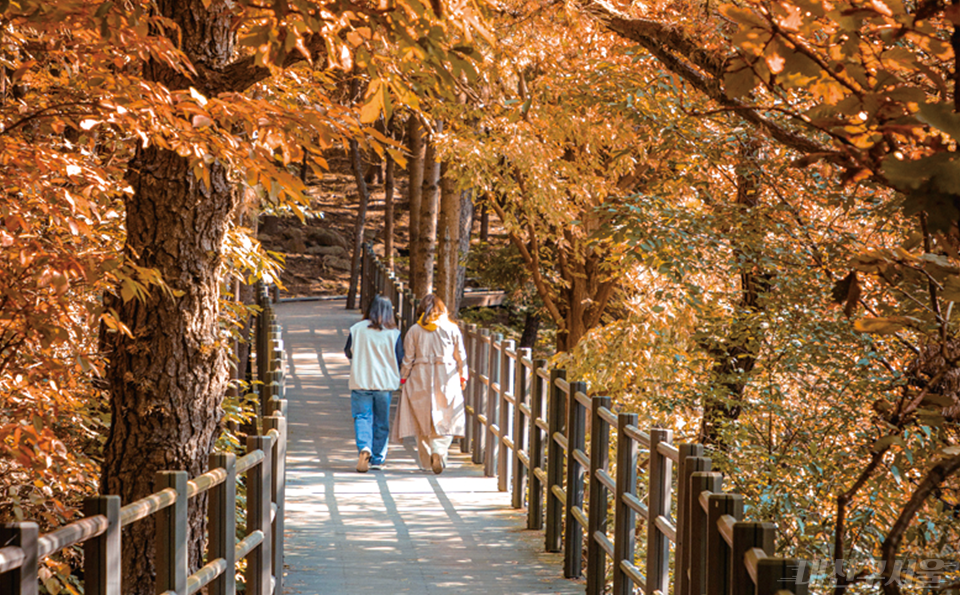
<point>393,531</point>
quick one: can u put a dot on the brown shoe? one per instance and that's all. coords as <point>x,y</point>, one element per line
<point>436,463</point>
<point>363,463</point>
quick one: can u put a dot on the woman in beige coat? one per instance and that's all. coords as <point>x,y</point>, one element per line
<point>433,374</point>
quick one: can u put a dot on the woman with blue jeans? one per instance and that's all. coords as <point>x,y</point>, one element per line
<point>375,352</point>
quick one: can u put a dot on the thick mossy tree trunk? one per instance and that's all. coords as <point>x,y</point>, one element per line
<point>168,380</point>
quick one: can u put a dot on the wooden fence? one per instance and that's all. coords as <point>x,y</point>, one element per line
<point>547,440</point>
<point>22,548</point>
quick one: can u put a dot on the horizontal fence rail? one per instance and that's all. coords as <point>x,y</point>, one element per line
<point>548,442</point>
<point>23,548</point>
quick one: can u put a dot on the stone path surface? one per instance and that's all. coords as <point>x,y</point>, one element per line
<point>398,530</point>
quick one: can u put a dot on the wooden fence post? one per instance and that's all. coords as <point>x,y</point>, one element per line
<point>555,421</point>
<point>171,558</point>
<point>747,535</point>
<point>469,344</point>
<point>505,380</point>
<point>576,439</point>
<point>658,503</point>
<point>22,580</point>
<point>520,385</point>
<point>597,512</point>
<point>491,445</point>
<point>258,517</point>
<point>535,442</point>
<point>690,462</point>
<point>782,575</point>
<point>278,493</point>
<point>718,553</point>
<point>223,523</point>
<point>101,554</point>
<point>624,517</point>
<point>480,440</point>
<point>700,481</point>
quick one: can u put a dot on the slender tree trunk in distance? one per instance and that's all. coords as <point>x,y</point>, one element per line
<point>484,223</point>
<point>414,189</point>
<point>356,164</point>
<point>531,327</point>
<point>448,239</point>
<point>466,231</point>
<point>422,267</point>
<point>388,225</point>
<point>736,356</point>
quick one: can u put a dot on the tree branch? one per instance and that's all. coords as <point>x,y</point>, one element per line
<point>702,69</point>
<point>937,475</point>
<point>542,289</point>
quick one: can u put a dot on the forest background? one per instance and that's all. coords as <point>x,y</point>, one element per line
<point>738,219</point>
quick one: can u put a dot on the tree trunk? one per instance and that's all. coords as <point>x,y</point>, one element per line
<point>736,355</point>
<point>388,184</point>
<point>414,189</point>
<point>422,267</point>
<point>356,164</point>
<point>448,239</point>
<point>168,381</point>
<point>484,223</point>
<point>531,327</point>
<point>466,230</point>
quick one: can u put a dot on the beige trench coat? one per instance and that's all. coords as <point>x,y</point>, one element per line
<point>431,400</point>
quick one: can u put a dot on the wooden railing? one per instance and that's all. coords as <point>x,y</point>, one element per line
<point>22,548</point>
<point>547,440</point>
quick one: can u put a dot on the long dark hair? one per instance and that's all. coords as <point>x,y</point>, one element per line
<point>432,308</point>
<point>380,314</point>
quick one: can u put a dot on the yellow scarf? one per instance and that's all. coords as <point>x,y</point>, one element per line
<point>430,326</point>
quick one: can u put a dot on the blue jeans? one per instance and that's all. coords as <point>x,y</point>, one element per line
<point>371,422</point>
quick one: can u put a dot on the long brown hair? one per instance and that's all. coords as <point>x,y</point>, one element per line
<point>432,308</point>
<point>380,314</point>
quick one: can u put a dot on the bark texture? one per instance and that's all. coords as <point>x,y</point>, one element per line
<point>466,231</point>
<point>415,165</point>
<point>531,328</point>
<point>356,163</point>
<point>426,249</point>
<point>448,240</point>
<point>168,381</point>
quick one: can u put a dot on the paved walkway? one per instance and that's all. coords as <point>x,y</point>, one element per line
<point>393,531</point>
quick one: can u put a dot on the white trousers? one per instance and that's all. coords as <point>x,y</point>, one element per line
<point>427,446</point>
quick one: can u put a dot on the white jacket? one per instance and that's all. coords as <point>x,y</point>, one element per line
<point>373,365</point>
